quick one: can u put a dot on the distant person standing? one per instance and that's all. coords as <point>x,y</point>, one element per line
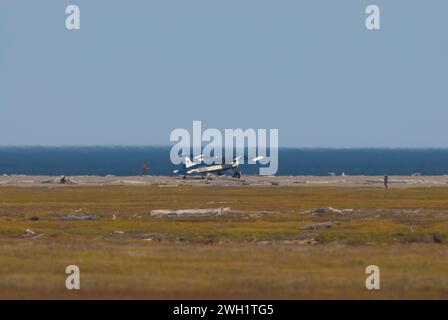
<point>145,168</point>
<point>386,181</point>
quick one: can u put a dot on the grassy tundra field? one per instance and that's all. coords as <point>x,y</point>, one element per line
<point>270,244</point>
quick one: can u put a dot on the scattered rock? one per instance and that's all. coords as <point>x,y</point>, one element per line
<point>152,236</point>
<point>329,210</point>
<point>118,232</point>
<point>267,212</point>
<point>310,241</point>
<point>29,233</point>
<point>304,238</point>
<point>323,225</point>
<point>189,212</point>
<point>437,238</point>
<point>61,180</point>
<point>410,212</point>
<point>72,217</point>
<point>321,210</point>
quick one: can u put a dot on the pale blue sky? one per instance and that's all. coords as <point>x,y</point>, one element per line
<point>138,69</point>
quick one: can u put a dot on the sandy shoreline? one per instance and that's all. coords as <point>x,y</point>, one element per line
<point>249,180</point>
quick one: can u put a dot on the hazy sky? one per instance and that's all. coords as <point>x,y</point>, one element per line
<point>138,69</point>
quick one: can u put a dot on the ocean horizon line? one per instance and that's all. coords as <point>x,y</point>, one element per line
<point>106,146</point>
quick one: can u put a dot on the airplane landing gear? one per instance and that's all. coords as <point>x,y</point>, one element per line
<point>237,174</point>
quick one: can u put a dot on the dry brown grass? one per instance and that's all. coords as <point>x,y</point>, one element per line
<point>246,254</point>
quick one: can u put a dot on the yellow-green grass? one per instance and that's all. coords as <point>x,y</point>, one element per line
<point>258,250</point>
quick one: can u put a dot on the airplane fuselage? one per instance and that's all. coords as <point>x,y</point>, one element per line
<point>210,169</point>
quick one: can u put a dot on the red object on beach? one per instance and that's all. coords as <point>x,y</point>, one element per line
<point>145,168</point>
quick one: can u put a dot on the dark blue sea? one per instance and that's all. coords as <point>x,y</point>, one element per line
<point>128,161</point>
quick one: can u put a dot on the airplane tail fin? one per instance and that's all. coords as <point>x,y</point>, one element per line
<point>188,162</point>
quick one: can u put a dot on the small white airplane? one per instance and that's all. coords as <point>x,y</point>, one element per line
<point>190,168</point>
